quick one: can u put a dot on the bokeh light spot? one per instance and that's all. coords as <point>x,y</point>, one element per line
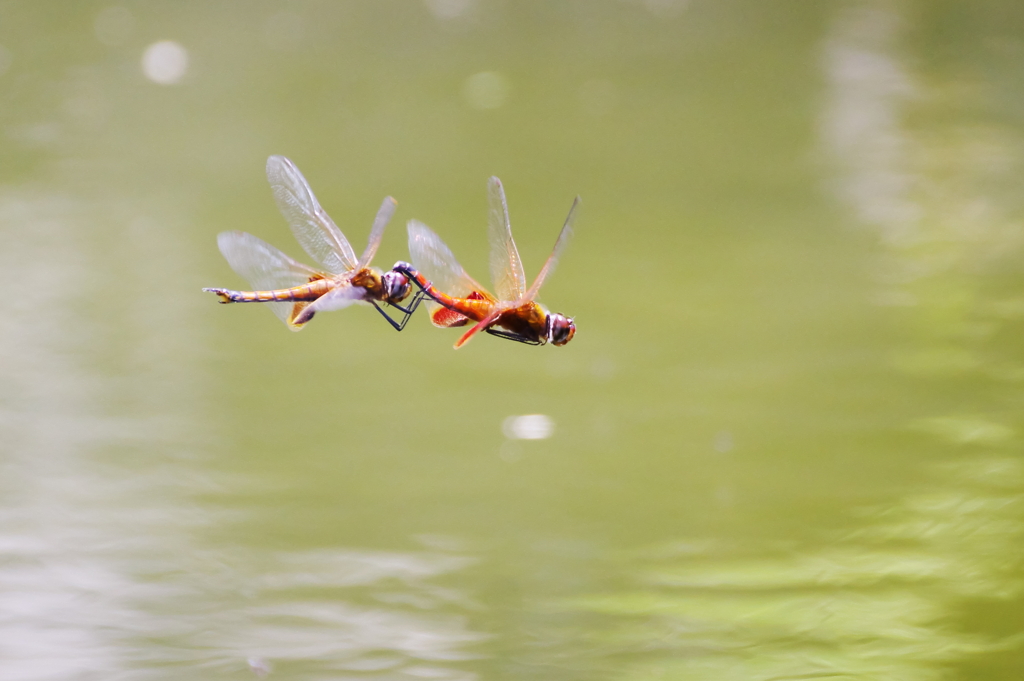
<point>448,9</point>
<point>165,62</point>
<point>528,427</point>
<point>486,90</point>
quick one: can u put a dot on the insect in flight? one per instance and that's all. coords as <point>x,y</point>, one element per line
<point>513,312</point>
<point>296,292</point>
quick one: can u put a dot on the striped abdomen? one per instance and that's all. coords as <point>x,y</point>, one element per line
<point>305,292</point>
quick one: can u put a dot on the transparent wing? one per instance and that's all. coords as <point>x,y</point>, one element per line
<point>338,298</point>
<point>312,226</point>
<point>387,209</point>
<point>335,299</point>
<point>480,326</point>
<point>264,267</point>
<point>549,265</point>
<point>506,267</point>
<point>435,260</point>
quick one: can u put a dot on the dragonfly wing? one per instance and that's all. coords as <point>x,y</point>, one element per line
<point>506,267</point>
<point>387,209</point>
<point>336,299</point>
<point>264,267</point>
<point>312,226</point>
<point>445,318</point>
<point>480,326</point>
<point>437,263</point>
<point>549,265</point>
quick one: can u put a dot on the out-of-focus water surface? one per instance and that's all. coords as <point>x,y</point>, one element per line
<point>786,442</point>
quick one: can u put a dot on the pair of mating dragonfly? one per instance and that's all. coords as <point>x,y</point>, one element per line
<point>296,292</point>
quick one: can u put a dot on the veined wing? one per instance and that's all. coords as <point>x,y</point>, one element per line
<point>435,260</point>
<point>478,327</point>
<point>549,265</point>
<point>387,209</point>
<point>264,267</point>
<point>335,299</point>
<point>506,267</point>
<point>312,226</point>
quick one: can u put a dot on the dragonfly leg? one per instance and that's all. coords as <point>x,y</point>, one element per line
<point>416,300</point>
<point>407,311</point>
<point>508,335</point>
<point>398,326</point>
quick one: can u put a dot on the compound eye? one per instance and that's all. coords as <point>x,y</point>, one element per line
<point>396,286</point>
<point>561,329</point>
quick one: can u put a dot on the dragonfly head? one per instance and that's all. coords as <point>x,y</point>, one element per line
<point>560,329</point>
<point>396,286</point>
<point>402,266</point>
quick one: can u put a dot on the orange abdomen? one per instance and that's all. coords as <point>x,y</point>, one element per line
<point>304,292</point>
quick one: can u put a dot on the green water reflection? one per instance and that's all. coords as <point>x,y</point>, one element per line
<point>877,601</point>
<point>785,442</point>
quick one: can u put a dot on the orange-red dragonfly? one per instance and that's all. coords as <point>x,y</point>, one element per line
<point>296,292</point>
<point>513,312</point>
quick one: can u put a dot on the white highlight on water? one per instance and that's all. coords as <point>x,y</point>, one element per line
<point>165,62</point>
<point>449,9</point>
<point>528,427</point>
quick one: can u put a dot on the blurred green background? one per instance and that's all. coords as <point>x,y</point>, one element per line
<point>784,444</point>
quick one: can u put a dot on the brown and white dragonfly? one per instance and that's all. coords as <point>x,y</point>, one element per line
<point>294,291</point>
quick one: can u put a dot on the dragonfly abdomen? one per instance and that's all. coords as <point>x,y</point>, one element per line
<point>305,292</point>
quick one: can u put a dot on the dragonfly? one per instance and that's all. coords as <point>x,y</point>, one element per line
<point>456,298</point>
<point>294,291</point>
